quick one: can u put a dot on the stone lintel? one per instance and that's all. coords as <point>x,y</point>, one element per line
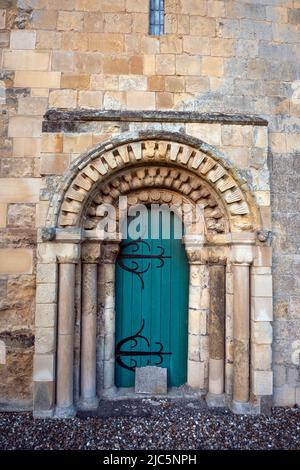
<point>57,121</point>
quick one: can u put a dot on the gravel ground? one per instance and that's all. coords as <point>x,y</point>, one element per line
<point>167,426</point>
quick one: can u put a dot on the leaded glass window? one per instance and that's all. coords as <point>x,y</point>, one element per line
<point>157,17</point>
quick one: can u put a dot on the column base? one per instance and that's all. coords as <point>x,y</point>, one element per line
<point>88,403</point>
<point>65,412</point>
<point>41,414</point>
<point>244,408</point>
<point>109,392</point>
<point>216,401</point>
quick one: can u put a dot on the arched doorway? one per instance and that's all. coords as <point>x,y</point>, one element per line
<point>152,279</point>
<point>76,282</point>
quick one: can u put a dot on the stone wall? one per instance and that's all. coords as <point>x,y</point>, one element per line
<point>216,56</point>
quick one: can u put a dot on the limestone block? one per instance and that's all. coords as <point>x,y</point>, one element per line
<point>2,353</point>
<point>261,356</point>
<point>46,273</point>
<point>109,347</point>
<point>3,210</point>
<point>45,315</point>
<point>284,396</point>
<point>76,143</point>
<point>75,81</point>
<point>44,367</point>
<point>22,39</point>
<point>262,333</point>
<point>173,84</point>
<point>261,137</point>
<point>43,396</point>
<point>51,143</point>
<point>293,142</point>
<point>117,23</point>
<point>197,322</point>
<point>262,382</point>
<point>261,286</point>
<point>202,26</point>
<point>104,82</point>
<point>45,340</point>
<point>188,65</point>
<point>194,347</point>
<point>263,198</point>
<point>262,308</point>
<point>165,64</point>
<point>196,374</point>
<point>279,375</point>
<point>63,99</point>
<point>37,80</point>
<point>26,147</point>
<point>54,164</point>
<point>197,84</point>
<point>204,348</point>
<point>232,135</point>
<point>21,126</point>
<point>196,45</point>
<point>212,66</point>
<point>263,256</point>
<point>16,261</point>
<point>298,396</point>
<point>21,215</point>
<point>26,60</point>
<point>195,275</point>
<point>140,100</point>
<point>210,133</point>
<point>90,99</point>
<point>194,297</point>
<point>46,293</point>
<point>2,18</point>
<point>278,142</point>
<point>70,21</point>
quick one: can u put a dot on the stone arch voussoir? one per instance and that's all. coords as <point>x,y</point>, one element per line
<point>183,153</point>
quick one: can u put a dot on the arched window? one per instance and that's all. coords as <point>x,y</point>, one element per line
<point>157,17</point>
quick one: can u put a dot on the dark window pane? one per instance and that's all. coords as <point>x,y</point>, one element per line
<point>157,17</point>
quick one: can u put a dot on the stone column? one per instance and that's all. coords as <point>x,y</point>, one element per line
<point>198,311</point>
<point>65,339</point>
<point>217,330</point>
<point>109,254</point>
<point>90,256</point>
<point>242,256</point>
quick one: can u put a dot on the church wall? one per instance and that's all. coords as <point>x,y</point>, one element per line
<point>226,57</point>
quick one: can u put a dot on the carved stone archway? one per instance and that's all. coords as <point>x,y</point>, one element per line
<point>166,168</point>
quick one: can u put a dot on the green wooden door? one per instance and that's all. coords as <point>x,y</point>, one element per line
<point>152,307</point>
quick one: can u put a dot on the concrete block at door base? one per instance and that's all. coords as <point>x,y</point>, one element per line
<point>151,380</point>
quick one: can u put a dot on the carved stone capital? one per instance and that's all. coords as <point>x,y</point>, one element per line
<point>109,251</point>
<point>242,254</point>
<point>196,252</point>
<point>68,253</point>
<point>91,252</point>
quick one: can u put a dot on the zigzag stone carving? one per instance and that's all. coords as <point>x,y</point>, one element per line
<point>174,157</point>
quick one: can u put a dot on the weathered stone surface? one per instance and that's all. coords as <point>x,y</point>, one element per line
<point>16,261</point>
<point>237,59</point>
<point>151,380</point>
